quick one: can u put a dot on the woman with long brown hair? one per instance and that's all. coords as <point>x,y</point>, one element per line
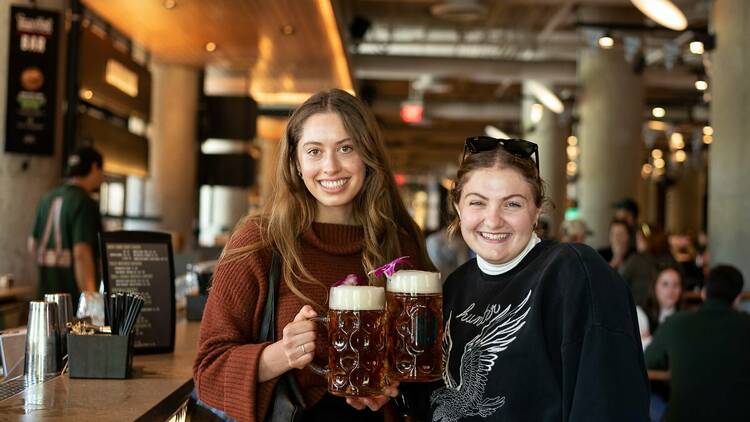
<point>335,210</point>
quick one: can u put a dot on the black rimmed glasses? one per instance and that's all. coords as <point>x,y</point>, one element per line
<point>518,147</point>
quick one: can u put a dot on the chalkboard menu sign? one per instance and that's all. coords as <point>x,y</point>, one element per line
<point>142,263</point>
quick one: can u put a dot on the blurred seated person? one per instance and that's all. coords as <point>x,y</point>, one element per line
<point>706,351</point>
<point>664,299</point>
<point>703,256</point>
<point>627,210</point>
<point>642,268</point>
<point>619,244</point>
<point>574,231</point>
<point>447,252</point>
<point>683,250</point>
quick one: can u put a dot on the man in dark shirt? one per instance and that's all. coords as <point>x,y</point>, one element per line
<point>64,237</point>
<point>707,352</point>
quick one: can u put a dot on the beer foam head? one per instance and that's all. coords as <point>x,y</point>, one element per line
<point>357,298</point>
<point>415,282</point>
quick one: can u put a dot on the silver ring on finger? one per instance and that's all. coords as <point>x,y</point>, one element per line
<point>302,346</point>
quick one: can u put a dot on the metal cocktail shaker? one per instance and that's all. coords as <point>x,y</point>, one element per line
<point>42,356</point>
<point>64,315</point>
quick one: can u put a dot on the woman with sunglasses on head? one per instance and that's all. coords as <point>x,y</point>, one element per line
<point>335,210</point>
<point>534,330</point>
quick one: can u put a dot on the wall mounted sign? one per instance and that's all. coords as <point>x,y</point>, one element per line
<point>32,81</point>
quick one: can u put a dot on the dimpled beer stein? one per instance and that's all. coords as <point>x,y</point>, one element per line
<point>414,302</point>
<point>356,346</point>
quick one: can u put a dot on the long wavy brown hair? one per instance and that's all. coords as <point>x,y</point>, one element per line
<point>291,209</point>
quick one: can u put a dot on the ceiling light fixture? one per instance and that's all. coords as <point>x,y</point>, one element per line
<point>571,168</point>
<point>708,130</point>
<point>572,140</point>
<point>658,112</point>
<point>657,125</point>
<point>656,154</point>
<point>287,30</point>
<point>606,42</point>
<point>696,47</point>
<point>676,141</point>
<point>701,85</point>
<point>210,47</point>
<point>494,132</point>
<point>535,113</point>
<point>545,96</point>
<point>663,12</point>
<point>680,156</point>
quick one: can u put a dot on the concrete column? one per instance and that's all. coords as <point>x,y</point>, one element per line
<point>609,135</point>
<point>729,190</point>
<point>548,134</point>
<point>685,200</point>
<point>23,178</point>
<point>173,148</point>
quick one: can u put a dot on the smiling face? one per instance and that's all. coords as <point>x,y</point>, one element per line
<point>497,213</point>
<point>668,289</point>
<point>331,167</point>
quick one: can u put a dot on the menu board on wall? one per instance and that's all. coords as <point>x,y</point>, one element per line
<point>142,263</point>
<point>32,81</point>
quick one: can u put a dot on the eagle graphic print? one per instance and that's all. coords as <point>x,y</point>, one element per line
<point>466,398</point>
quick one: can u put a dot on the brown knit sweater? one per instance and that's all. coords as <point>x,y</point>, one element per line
<point>226,366</point>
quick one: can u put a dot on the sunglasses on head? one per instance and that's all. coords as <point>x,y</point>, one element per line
<point>519,147</point>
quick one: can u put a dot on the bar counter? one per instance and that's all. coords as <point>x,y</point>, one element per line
<point>160,385</point>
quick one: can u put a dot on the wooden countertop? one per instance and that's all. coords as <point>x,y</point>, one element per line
<point>16,292</point>
<point>159,386</point>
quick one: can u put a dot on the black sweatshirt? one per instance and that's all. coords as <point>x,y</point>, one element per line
<point>553,339</point>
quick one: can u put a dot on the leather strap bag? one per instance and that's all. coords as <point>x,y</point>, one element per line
<point>287,403</point>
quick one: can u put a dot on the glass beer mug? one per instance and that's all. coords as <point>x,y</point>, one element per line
<point>414,302</point>
<point>356,341</point>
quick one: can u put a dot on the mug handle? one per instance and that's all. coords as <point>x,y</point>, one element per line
<point>323,372</point>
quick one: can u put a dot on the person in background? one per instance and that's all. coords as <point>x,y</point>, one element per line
<point>664,298</point>
<point>534,330</point>
<point>64,238</point>
<point>627,210</point>
<point>335,210</point>
<point>446,252</point>
<point>706,351</point>
<point>619,248</point>
<point>642,268</point>
<point>683,250</point>
<point>574,231</point>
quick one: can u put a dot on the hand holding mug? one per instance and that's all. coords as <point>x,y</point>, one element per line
<point>375,402</point>
<point>298,340</point>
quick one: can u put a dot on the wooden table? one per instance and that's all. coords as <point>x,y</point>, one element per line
<point>160,386</point>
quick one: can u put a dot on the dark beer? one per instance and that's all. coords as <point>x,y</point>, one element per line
<point>414,304</point>
<point>356,348</point>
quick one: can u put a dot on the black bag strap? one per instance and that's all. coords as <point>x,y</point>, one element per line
<point>268,324</point>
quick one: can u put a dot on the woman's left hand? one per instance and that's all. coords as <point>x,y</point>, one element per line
<point>376,402</point>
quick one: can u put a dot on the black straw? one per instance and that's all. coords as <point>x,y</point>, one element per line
<point>121,312</point>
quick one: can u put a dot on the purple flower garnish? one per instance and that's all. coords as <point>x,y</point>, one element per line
<point>390,268</point>
<point>350,280</point>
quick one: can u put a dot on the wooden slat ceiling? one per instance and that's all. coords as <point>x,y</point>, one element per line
<point>247,34</point>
